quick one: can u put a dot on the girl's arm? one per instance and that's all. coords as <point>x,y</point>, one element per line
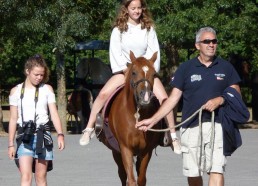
<point>12,128</point>
<point>153,46</point>
<point>116,58</point>
<point>57,122</point>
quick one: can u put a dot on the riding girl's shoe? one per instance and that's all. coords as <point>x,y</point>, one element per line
<point>176,146</point>
<point>87,134</point>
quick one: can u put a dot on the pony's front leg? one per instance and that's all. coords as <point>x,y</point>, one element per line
<point>121,170</point>
<point>141,168</point>
<point>127,157</point>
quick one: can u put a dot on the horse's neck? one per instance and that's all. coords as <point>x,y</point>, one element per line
<point>128,89</point>
<point>127,94</point>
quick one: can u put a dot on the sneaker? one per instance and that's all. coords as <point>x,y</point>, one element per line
<point>87,134</point>
<point>176,146</point>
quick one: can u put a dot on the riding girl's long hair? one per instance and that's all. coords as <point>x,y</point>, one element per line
<point>37,61</point>
<point>122,17</point>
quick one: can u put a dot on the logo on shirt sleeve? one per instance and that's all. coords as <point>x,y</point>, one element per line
<point>196,77</point>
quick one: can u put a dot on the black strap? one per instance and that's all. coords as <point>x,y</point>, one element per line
<point>35,99</point>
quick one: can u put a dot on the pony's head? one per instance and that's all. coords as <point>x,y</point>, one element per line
<point>141,78</point>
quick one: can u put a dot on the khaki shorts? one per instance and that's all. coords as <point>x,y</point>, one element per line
<point>193,165</point>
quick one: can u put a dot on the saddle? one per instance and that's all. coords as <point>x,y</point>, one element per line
<point>102,126</point>
<point>103,130</point>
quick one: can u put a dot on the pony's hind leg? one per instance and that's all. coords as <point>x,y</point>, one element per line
<point>121,170</point>
<point>141,168</point>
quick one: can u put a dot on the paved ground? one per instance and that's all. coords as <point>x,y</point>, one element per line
<point>93,165</point>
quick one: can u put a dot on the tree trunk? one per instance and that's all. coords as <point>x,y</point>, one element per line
<point>61,89</point>
<point>1,118</point>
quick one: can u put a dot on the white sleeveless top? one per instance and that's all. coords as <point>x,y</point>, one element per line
<point>46,96</point>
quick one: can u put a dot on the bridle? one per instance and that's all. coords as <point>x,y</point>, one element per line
<point>134,85</point>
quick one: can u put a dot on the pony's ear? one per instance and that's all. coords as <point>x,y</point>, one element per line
<point>132,56</point>
<point>128,65</point>
<point>153,58</point>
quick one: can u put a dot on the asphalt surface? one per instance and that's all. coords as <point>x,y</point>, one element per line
<point>93,165</point>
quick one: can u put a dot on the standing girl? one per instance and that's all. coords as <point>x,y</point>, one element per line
<point>30,103</point>
<point>133,31</point>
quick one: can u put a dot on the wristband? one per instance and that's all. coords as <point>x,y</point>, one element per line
<point>60,134</point>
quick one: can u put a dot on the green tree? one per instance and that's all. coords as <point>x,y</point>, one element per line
<point>177,22</point>
<point>50,28</point>
<point>28,27</point>
<point>40,27</point>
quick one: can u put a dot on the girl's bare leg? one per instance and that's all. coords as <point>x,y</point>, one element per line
<point>111,85</point>
<point>25,163</point>
<point>41,172</point>
<point>161,94</point>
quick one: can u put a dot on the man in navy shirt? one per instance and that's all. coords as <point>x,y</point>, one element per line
<point>201,81</point>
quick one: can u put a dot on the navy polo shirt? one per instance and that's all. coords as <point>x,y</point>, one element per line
<point>200,84</point>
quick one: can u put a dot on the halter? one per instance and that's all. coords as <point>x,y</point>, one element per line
<point>134,86</point>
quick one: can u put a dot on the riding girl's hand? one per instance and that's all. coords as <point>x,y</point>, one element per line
<point>60,141</point>
<point>144,125</point>
<point>11,152</point>
<point>214,103</point>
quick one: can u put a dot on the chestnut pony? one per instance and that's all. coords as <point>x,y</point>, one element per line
<point>135,100</point>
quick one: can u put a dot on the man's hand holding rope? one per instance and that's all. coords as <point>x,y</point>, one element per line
<point>145,124</point>
<point>213,104</point>
<point>210,105</point>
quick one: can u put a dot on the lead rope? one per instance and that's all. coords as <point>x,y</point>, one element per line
<point>212,138</point>
<point>176,126</point>
<point>200,137</point>
<point>201,143</point>
<point>137,114</point>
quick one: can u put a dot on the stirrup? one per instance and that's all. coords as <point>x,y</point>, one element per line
<point>99,125</point>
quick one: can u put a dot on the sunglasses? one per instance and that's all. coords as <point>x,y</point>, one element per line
<point>208,41</point>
